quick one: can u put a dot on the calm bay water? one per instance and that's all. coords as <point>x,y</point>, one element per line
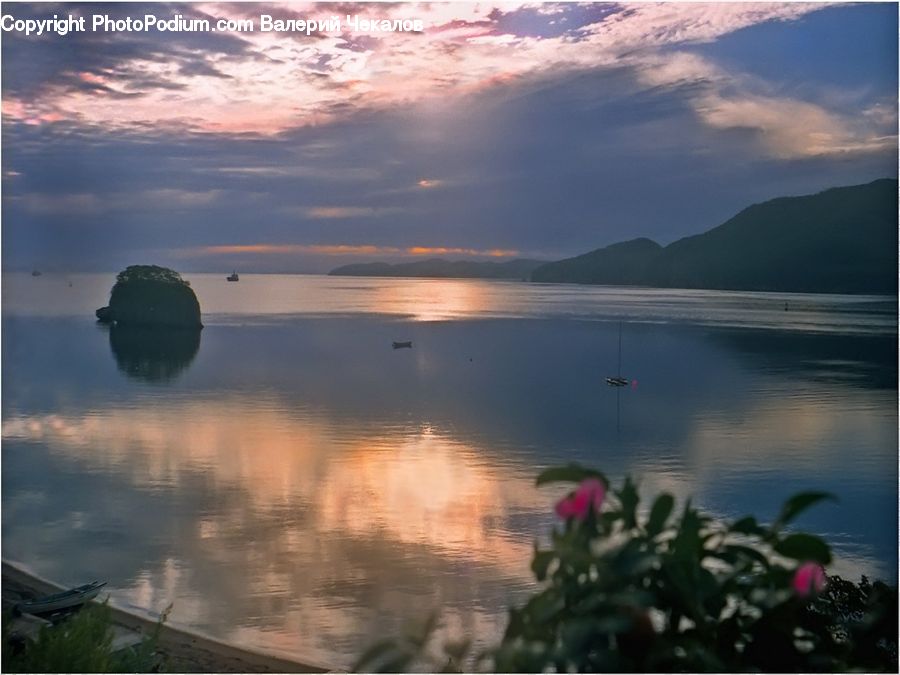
<point>292,483</point>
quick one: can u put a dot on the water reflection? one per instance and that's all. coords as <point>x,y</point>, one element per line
<point>866,361</point>
<point>344,535</point>
<point>413,487</point>
<point>312,533</point>
<point>153,354</point>
<point>457,299</point>
<point>305,487</point>
<point>433,299</point>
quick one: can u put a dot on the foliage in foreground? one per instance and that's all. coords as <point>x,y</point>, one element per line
<point>80,644</point>
<point>674,592</point>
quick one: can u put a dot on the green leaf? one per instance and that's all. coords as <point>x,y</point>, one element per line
<point>794,506</point>
<point>747,525</point>
<point>571,473</point>
<point>687,544</point>
<point>659,513</point>
<point>375,657</point>
<point>632,596</point>
<point>607,519</point>
<point>419,635</point>
<point>590,601</point>
<point>628,496</point>
<point>457,649</point>
<point>577,633</point>
<point>613,623</point>
<point>398,664</point>
<point>544,606</point>
<point>803,546</point>
<point>749,552</point>
<point>541,562</point>
<point>680,578</point>
<point>515,625</point>
<point>631,563</point>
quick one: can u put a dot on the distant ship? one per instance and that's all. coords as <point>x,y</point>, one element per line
<point>233,277</point>
<point>35,273</point>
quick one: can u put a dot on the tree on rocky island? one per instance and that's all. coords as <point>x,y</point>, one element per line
<point>149,295</point>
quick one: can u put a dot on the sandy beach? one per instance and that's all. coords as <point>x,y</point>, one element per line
<point>183,651</point>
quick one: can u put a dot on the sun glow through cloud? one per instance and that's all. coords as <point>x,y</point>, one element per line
<point>347,249</point>
<point>499,131</point>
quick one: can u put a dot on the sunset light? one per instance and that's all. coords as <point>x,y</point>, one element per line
<point>323,323</point>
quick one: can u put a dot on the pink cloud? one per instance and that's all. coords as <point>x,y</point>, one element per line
<point>461,51</point>
<point>91,78</point>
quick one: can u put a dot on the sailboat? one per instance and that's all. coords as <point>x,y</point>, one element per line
<point>618,380</point>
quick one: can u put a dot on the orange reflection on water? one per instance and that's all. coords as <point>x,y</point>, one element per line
<point>432,299</point>
<point>231,444</point>
<point>413,487</point>
<point>301,531</point>
<point>428,489</point>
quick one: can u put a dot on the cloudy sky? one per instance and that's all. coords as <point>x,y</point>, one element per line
<point>502,130</point>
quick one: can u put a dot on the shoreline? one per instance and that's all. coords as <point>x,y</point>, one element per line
<point>185,651</point>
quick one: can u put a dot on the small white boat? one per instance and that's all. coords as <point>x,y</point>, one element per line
<point>233,277</point>
<point>616,381</point>
<point>59,601</point>
<point>402,345</point>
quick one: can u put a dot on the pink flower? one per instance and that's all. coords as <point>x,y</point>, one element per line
<point>578,504</point>
<point>808,579</point>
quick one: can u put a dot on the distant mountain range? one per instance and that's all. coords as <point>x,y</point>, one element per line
<point>520,269</point>
<point>842,240</point>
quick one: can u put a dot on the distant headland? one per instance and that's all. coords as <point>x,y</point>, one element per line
<point>842,240</point>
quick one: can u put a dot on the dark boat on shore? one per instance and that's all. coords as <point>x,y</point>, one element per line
<point>60,601</point>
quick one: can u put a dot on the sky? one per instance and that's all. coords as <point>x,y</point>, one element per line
<point>501,130</point>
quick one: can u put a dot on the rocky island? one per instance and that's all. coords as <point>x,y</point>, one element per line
<point>151,296</point>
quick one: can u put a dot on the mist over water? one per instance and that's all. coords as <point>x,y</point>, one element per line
<point>291,482</point>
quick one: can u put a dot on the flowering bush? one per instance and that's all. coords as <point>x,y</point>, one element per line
<point>663,591</point>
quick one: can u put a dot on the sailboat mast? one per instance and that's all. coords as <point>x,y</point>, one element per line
<point>619,369</point>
